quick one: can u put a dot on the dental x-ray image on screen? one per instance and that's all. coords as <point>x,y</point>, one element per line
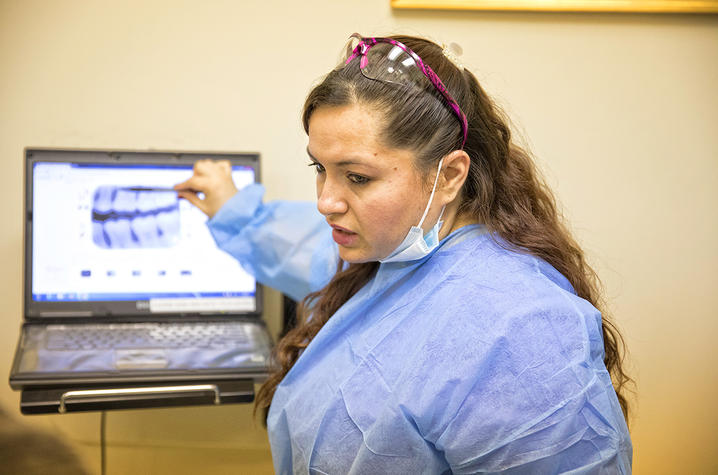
<point>135,216</point>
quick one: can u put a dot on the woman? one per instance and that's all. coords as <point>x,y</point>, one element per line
<point>449,321</point>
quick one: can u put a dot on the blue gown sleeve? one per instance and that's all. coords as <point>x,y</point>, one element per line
<point>286,245</point>
<point>576,438</point>
<point>540,406</point>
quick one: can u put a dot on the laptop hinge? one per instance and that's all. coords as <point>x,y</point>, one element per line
<point>65,314</point>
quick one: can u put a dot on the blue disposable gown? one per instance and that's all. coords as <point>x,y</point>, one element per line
<point>474,359</point>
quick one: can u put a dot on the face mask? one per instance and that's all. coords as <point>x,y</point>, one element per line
<point>417,245</point>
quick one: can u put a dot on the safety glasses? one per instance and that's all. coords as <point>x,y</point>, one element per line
<point>388,60</point>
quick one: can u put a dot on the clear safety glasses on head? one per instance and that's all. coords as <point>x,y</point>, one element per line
<point>416,244</point>
<point>388,60</point>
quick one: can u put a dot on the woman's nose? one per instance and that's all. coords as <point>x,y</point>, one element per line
<point>329,198</point>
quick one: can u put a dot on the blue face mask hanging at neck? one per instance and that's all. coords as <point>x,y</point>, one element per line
<point>417,245</point>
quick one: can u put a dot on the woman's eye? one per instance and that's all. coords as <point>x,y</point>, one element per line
<point>317,167</point>
<point>357,179</point>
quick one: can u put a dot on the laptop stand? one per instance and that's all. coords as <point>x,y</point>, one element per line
<point>52,400</point>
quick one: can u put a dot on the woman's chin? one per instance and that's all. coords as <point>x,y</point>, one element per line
<point>355,256</point>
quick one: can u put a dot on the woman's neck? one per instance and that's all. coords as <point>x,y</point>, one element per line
<point>453,221</point>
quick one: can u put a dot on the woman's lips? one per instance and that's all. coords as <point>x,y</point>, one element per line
<point>343,236</point>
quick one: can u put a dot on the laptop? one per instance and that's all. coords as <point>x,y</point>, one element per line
<point>123,282</point>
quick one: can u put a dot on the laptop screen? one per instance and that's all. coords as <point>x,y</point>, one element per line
<point>108,236</point>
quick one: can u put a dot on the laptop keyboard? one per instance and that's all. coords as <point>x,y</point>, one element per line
<point>146,335</point>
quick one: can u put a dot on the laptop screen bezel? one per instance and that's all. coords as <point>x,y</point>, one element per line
<point>115,310</point>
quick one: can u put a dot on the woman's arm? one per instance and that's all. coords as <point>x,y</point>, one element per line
<point>286,245</point>
<point>541,400</point>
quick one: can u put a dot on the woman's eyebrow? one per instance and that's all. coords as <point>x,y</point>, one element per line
<point>343,163</point>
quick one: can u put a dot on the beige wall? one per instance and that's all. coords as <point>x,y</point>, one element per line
<point>621,111</point>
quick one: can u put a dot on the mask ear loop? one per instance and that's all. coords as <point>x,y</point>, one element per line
<point>440,215</point>
<point>431,197</point>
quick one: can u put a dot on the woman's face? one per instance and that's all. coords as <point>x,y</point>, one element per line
<point>371,195</point>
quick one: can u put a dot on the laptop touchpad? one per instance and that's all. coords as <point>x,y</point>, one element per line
<point>140,359</point>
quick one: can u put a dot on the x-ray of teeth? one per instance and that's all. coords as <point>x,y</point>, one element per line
<point>131,217</point>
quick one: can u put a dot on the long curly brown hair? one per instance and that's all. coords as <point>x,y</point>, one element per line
<point>503,191</point>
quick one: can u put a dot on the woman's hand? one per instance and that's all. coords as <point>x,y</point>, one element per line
<point>213,179</point>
